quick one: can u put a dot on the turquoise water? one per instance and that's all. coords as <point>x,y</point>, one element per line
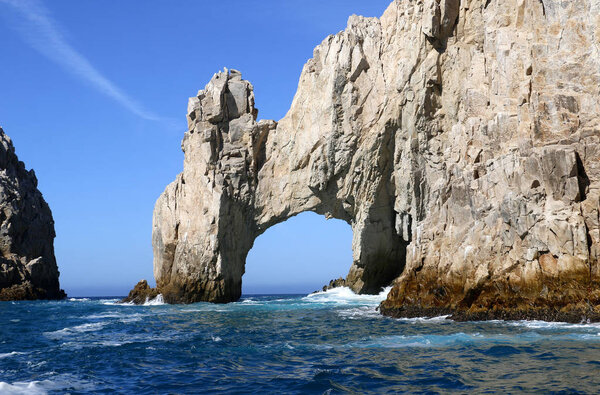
<point>332,342</point>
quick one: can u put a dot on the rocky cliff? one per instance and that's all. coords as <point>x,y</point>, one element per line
<point>459,139</point>
<point>27,264</point>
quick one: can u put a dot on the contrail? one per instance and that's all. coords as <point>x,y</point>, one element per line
<point>42,32</point>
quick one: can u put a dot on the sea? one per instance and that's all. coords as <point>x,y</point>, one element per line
<point>325,343</point>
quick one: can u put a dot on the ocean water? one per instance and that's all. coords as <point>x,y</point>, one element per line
<point>333,342</point>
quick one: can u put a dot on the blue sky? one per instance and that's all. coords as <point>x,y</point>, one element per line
<point>94,95</point>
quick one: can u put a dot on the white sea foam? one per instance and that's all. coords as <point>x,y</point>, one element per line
<point>250,301</point>
<point>79,299</point>
<point>123,317</point>
<point>90,327</point>
<point>457,339</point>
<point>360,313</point>
<point>33,365</point>
<point>110,343</point>
<point>114,302</point>
<point>105,315</point>
<point>441,318</point>
<point>438,341</point>
<point>552,325</point>
<point>288,346</point>
<point>133,318</point>
<point>344,295</point>
<point>29,388</point>
<point>11,354</point>
<point>158,301</point>
<point>59,383</point>
<point>216,339</point>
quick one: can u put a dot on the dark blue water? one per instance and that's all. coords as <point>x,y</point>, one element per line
<point>328,343</point>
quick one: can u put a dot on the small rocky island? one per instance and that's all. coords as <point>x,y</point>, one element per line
<point>28,267</point>
<point>459,139</point>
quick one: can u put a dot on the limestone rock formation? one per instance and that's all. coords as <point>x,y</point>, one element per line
<point>241,177</point>
<point>459,139</point>
<point>27,264</point>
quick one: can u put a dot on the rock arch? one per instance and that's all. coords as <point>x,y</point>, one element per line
<point>242,176</point>
<point>458,138</point>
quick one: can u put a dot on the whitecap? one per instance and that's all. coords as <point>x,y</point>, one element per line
<point>250,301</point>
<point>344,295</point>
<point>216,339</point>
<point>110,344</point>
<point>58,383</point>
<point>79,299</point>
<point>441,318</point>
<point>455,339</point>
<point>104,315</point>
<point>114,302</point>
<point>158,301</point>
<point>128,320</point>
<point>288,346</point>
<point>359,313</point>
<point>433,341</point>
<point>535,324</point>
<point>419,341</point>
<point>34,365</point>
<point>29,388</point>
<point>11,354</point>
<point>90,327</point>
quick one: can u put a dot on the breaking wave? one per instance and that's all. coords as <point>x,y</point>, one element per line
<point>158,301</point>
<point>89,327</point>
<point>11,354</point>
<point>344,295</point>
<point>53,384</point>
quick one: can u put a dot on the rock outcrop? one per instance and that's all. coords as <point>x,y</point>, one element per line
<point>459,139</point>
<point>337,283</point>
<point>27,264</point>
<point>141,293</point>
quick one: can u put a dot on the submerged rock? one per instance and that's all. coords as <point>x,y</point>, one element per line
<point>28,267</point>
<point>460,140</point>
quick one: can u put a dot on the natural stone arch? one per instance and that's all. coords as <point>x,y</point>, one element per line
<point>473,161</point>
<point>241,177</point>
<point>305,253</point>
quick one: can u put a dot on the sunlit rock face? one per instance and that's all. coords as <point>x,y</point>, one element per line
<point>241,177</point>
<point>458,139</point>
<point>27,264</point>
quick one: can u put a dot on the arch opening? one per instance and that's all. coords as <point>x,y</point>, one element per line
<point>298,256</point>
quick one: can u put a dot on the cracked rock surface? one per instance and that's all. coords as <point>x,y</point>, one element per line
<point>459,139</point>
<point>28,267</point>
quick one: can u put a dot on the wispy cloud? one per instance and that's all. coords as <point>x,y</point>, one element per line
<point>43,33</point>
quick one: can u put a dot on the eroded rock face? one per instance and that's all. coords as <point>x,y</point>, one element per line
<point>458,139</point>
<point>27,264</point>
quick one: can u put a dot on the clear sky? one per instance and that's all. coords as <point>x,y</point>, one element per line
<point>94,95</point>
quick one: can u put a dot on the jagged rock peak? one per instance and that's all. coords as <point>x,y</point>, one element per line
<point>28,267</point>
